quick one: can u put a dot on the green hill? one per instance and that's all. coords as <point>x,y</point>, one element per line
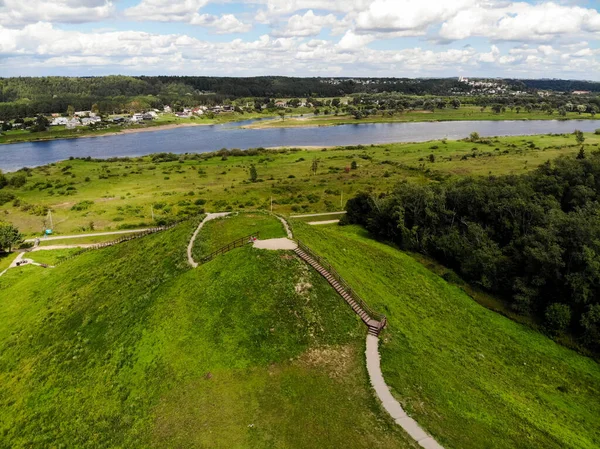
<point>128,347</point>
<point>471,377</point>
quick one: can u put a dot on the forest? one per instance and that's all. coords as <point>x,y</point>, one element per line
<point>533,239</point>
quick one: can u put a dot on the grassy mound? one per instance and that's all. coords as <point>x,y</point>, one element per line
<point>129,347</point>
<point>219,232</point>
<point>473,378</point>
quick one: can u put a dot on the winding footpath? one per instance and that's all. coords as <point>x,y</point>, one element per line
<point>390,404</point>
<point>373,358</point>
<point>208,217</point>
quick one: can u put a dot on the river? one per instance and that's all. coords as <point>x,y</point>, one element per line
<point>200,139</point>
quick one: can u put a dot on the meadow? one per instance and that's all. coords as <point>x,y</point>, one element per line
<point>469,376</point>
<point>438,115</point>
<point>104,195</point>
<point>217,233</point>
<point>128,346</point>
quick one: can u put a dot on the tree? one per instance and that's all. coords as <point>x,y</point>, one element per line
<point>18,180</point>
<point>353,165</point>
<point>497,108</point>
<point>70,110</point>
<point>518,109</point>
<point>9,236</point>
<point>455,103</point>
<point>474,137</point>
<point>562,111</point>
<point>314,166</point>
<point>41,124</point>
<point>581,154</point>
<point>95,109</point>
<point>282,115</point>
<point>253,173</point>
<point>590,321</point>
<point>558,317</point>
<point>579,137</point>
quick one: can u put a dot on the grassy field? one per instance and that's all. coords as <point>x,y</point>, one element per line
<point>6,259</point>
<point>129,347</point>
<point>82,240</point>
<point>113,195</point>
<point>471,377</point>
<point>54,256</point>
<point>448,114</point>
<point>217,233</point>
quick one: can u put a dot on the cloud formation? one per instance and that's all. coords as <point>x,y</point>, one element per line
<point>302,37</point>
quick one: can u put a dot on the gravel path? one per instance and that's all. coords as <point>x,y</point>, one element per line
<point>318,215</point>
<point>60,237</point>
<point>326,222</point>
<point>288,231</point>
<point>208,217</point>
<point>276,244</point>
<point>391,405</point>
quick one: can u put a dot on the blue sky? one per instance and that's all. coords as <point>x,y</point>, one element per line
<point>412,38</point>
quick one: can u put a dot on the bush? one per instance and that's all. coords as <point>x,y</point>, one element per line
<point>5,197</point>
<point>558,317</point>
<point>83,205</point>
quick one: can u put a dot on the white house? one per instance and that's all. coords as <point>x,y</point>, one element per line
<point>59,121</point>
<point>73,123</point>
<point>167,109</point>
<point>90,120</point>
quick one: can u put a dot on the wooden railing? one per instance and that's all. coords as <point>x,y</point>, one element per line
<point>125,238</point>
<point>232,245</point>
<point>323,262</point>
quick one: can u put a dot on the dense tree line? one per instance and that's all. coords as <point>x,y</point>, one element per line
<point>560,85</point>
<point>27,97</point>
<point>534,239</point>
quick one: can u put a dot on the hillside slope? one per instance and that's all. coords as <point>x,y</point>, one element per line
<point>129,347</point>
<point>471,377</point>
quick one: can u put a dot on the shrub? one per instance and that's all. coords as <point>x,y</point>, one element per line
<point>558,317</point>
<point>83,205</point>
<point>5,197</point>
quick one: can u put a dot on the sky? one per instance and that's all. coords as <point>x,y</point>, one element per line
<point>349,38</point>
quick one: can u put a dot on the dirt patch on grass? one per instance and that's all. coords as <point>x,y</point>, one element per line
<point>337,361</point>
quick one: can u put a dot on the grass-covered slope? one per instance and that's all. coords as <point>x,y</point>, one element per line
<point>471,377</point>
<point>221,231</point>
<point>129,347</point>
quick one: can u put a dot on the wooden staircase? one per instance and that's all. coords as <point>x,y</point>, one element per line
<point>373,320</point>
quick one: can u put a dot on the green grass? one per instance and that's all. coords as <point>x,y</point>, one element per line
<point>325,217</point>
<point>219,232</point>
<point>471,377</point>
<point>123,192</point>
<point>129,347</point>
<point>464,113</point>
<point>54,256</point>
<point>84,240</point>
<point>6,259</point>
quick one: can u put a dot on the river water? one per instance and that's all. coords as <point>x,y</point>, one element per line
<point>200,139</point>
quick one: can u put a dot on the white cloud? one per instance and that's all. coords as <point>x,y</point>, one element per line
<point>308,24</point>
<point>408,15</point>
<point>15,13</point>
<point>522,21</point>
<point>227,23</point>
<point>352,41</point>
<point>165,10</point>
